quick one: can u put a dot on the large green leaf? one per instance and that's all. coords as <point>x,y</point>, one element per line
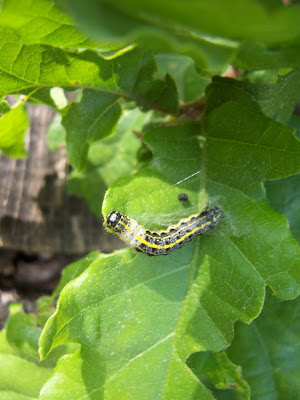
<point>215,33</point>
<point>127,340</point>
<point>138,319</point>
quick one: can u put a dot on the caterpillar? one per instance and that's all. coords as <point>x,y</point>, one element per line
<point>156,243</point>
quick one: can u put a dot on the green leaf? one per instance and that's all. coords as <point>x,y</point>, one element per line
<point>138,319</point>
<point>4,107</point>
<point>23,333</point>
<point>13,126</point>
<point>268,351</point>
<point>251,346</point>
<point>190,84</point>
<point>24,69</point>
<point>22,374</point>
<point>284,194</point>
<point>294,122</point>
<point>276,100</point>
<point>56,133</point>
<point>210,18</point>
<point>92,119</point>
<point>27,343</point>
<point>41,22</point>
<point>45,308</point>
<point>220,371</point>
<point>16,368</point>
<point>109,159</point>
<point>15,376</point>
<point>137,338</point>
<point>215,34</point>
<point>28,68</point>
<point>75,269</point>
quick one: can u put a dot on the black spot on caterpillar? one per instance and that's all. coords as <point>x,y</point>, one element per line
<point>162,242</point>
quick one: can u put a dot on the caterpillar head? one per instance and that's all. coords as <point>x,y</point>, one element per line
<point>112,219</point>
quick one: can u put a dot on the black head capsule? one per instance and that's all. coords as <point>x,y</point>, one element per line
<point>112,219</point>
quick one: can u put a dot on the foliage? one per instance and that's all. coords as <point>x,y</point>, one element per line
<point>145,125</point>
